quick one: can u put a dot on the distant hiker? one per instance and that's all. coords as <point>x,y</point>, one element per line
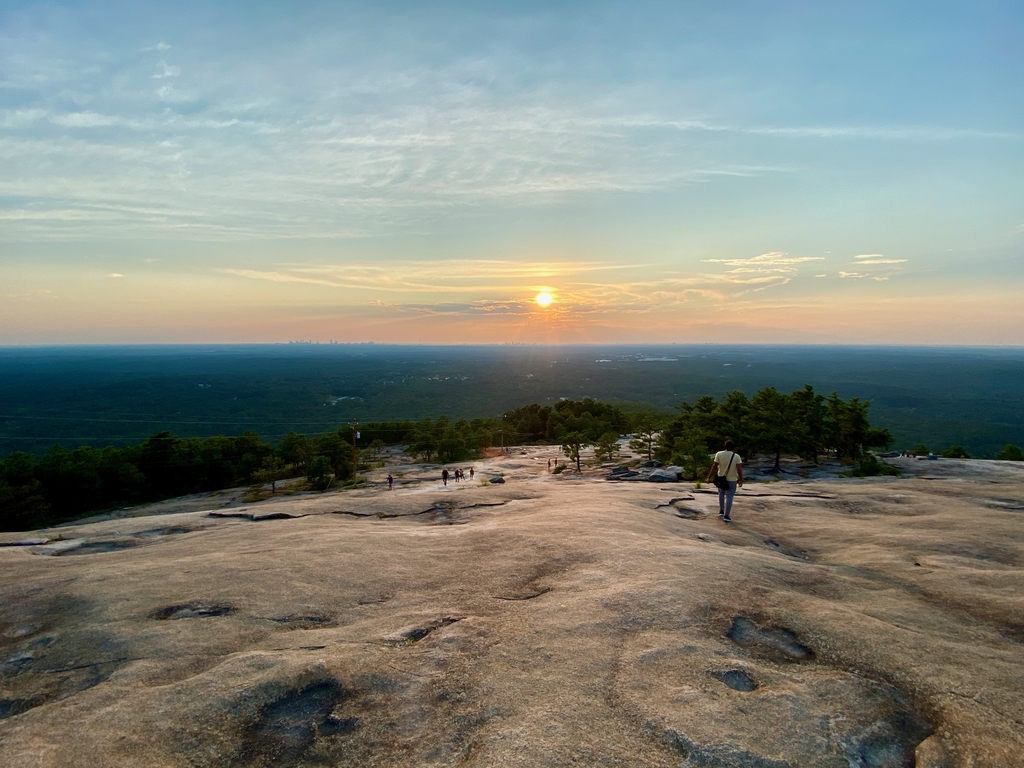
<point>391,482</point>
<point>444,476</point>
<point>727,475</point>
<point>549,465</point>
<point>471,473</point>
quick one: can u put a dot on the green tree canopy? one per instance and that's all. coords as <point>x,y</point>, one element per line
<point>1010,452</point>
<point>645,435</point>
<point>573,444</point>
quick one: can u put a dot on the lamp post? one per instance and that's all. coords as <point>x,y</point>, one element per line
<point>355,449</point>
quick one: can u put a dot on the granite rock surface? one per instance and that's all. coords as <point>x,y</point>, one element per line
<point>554,620</point>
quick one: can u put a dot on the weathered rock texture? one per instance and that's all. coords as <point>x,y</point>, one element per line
<point>550,621</point>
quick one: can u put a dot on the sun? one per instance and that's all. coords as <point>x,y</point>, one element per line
<point>544,299</point>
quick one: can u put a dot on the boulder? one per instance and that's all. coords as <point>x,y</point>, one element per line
<point>649,464</point>
<point>497,480</point>
<point>663,476</point>
<point>626,475</point>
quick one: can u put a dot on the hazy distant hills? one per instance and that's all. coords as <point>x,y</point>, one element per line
<point>111,395</point>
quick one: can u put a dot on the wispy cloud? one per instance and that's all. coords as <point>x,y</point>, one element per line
<point>877,258</point>
<point>434,276</point>
<point>164,70</point>
<point>20,118</point>
<point>85,120</point>
<point>877,132</point>
<point>863,275</point>
<point>39,293</point>
<point>774,261</point>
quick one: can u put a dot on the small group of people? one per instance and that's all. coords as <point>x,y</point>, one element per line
<point>457,475</point>
<point>727,475</point>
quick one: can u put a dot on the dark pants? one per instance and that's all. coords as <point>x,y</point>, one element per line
<point>725,498</point>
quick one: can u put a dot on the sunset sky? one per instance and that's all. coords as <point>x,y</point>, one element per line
<point>420,172</point>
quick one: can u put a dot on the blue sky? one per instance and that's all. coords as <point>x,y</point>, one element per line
<point>419,172</point>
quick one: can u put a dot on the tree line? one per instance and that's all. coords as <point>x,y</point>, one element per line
<point>63,484</point>
<point>771,423</point>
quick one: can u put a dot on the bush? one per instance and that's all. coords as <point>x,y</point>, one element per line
<point>871,466</point>
<point>1010,452</point>
<point>559,469</point>
<point>955,452</point>
<point>920,450</point>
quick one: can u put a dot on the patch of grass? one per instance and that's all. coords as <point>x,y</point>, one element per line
<point>256,493</point>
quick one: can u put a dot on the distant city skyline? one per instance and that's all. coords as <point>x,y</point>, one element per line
<point>534,173</point>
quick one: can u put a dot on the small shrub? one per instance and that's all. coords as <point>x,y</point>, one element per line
<point>1010,452</point>
<point>920,450</point>
<point>955,452</point>
<point>871,466</point>
<point>559,469</point>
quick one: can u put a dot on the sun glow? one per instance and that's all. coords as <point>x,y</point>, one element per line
<point>544,299</point>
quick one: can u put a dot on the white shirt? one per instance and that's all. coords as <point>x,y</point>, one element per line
<point>723,458</point>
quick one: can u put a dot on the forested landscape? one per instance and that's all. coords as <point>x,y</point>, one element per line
<point>101,396</point>
<point>89,430</point>
<point>63,484</point>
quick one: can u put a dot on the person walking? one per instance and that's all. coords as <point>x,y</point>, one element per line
<point>391,482</point>
<point>444,477</point>
<point>471,473</point>
<point>727,475</point>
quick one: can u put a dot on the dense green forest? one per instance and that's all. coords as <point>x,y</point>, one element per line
<point>118,396</point>
<point>63,484</point>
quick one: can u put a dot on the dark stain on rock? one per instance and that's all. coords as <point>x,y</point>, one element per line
<point>891,740</point>
<point>50,653</point>
<point>305,620</point>
<point>374,599</point>
<point>289,726</point>
<point>416,633</point>
<point>12,707</point>
<point>172,530</point>
<point>193,610</point>
<point>95,547</point>
<point>375,682</point>
<point>786,550</point>
<point>737,679</point>
<point>16,664</point>
<point>779,642</point>
<point>718,755</point>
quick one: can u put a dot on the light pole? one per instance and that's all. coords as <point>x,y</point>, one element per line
<point>355,450</point>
